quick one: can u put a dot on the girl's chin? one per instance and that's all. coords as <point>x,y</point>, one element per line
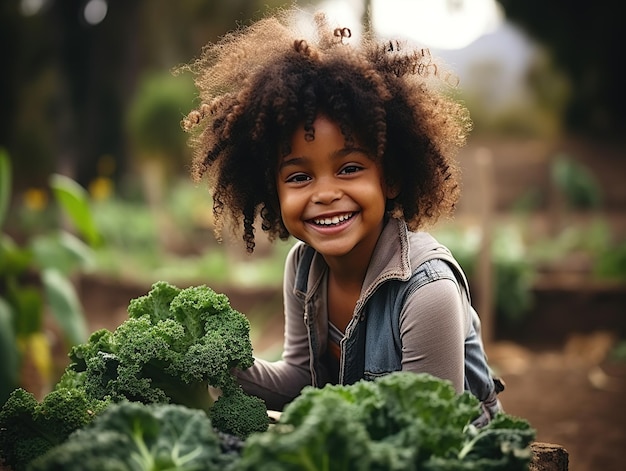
<point>332,248</point>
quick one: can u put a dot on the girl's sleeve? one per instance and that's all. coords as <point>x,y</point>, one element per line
<point>279,382</point>
<point>433,324</point>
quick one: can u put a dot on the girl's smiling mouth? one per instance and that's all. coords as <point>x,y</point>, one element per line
<point>332,220</point>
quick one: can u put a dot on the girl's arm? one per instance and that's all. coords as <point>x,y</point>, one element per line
<point>433,325</point>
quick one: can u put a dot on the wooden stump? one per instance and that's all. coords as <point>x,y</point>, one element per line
<point>548,457</point>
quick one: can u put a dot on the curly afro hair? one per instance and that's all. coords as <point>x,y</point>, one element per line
<point>259,83</point>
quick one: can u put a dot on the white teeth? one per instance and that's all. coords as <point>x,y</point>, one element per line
<point>333,220</point>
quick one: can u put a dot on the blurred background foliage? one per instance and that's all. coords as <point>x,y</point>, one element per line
<point>582,40</point>
<point>35,280</point>
<point>73,91</point>
<point>87,93</point>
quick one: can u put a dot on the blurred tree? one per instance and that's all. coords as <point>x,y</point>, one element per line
<point>65,89</point>
<point>585,41</point>
<point>67,82</point>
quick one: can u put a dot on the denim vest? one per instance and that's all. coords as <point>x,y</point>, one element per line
<point>372,342</point>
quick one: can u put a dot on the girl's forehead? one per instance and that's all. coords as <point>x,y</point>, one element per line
<point>323,125</point>
<point>323,129</point>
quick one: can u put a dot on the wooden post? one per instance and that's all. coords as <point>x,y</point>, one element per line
<point>548,457</point>
<point>484,162</point>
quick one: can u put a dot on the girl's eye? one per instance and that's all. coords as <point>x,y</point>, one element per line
<point>298,178</point>
<point>348,169</point>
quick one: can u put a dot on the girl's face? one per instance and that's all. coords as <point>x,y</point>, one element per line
<point>332,196</point>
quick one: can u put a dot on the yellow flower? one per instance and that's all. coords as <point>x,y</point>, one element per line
<point>101,188</point>
<point>35,199</point>
<point>36,347</point>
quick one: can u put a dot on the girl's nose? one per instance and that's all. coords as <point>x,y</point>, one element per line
<point>326,193</point>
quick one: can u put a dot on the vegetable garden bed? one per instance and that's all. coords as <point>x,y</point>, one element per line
<point>565,305</point>
<point>106,300</point>
<point>138,397</point>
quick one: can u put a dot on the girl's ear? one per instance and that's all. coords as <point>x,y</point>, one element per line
<point>393,190</point>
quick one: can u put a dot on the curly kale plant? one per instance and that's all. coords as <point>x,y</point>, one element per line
<point>174,345</point>
<point>401,421</point>
<point>140,437</point>
<point>29,428</point>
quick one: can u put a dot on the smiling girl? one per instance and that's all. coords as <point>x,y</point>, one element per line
<point>349,147</point>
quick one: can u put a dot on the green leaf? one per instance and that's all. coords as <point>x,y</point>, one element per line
<point>75,201</point>
<point>14,260</point>
<point>62,251</point>
<point>10,365</point>
<point>65,306</point>
<point>577,183</point>
<point>27,304</point>
<point>5,184</point>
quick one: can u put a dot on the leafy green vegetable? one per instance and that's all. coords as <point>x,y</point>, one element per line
<point>326,434</point>
<point>238,413</point>
<point>401,421</point>
<point>174,345</point>
<point>138,437</point>
<point>29,428</point>
<point>503,445</point>
<point>138,399</point>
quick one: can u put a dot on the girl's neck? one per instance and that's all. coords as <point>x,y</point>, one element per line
<point>348,271</point>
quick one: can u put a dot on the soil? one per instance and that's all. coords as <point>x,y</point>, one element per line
<point>567,388</point>
<point>571,397</point>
